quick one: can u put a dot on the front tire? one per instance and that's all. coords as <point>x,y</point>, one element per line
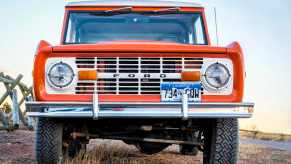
<point>48,144</point>
<point>221,142</point>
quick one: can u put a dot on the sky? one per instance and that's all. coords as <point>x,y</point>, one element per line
<point>262,29</point>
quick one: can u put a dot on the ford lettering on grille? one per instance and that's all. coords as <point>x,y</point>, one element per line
<point>133,75</point>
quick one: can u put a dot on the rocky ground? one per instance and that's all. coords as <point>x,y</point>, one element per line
<point>18,146</point>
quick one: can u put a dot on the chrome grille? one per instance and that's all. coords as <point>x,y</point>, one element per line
<point>133,75</point>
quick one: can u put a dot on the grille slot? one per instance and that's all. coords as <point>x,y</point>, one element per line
<point>133,75</point>
<point>108,65</point>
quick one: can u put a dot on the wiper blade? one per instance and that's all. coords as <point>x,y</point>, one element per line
<point>173,10</point>
<point>117,11</point>
<point>122,9</point>
<point>126,10</point>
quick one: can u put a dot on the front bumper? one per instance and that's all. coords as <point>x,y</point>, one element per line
<point>183,110</point>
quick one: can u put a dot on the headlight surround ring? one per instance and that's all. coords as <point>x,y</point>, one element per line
<point>217,76</point>
<point>60,75</point>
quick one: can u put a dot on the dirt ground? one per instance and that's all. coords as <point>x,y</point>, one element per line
<point>18,147</point>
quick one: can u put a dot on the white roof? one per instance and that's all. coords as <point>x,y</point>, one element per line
<point>151,3</point>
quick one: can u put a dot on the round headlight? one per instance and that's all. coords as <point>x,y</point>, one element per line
<point>61,75</point>
<point>217,75</point>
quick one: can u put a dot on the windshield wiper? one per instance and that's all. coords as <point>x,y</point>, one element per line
<point>122,9</point>
<point>172,10</point>
<point>117,11</point>
<point>126,10</point>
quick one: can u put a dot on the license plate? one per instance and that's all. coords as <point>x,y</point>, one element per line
<point>174,91</point>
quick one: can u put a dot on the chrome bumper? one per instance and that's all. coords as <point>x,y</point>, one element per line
<point>183,110</point>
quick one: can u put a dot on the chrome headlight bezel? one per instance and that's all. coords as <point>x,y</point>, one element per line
<point>227,87</point>
<point>51,87</point>
<point>224,75</point>
<point>69,74</point>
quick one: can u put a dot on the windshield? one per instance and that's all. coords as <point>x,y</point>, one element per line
<point>92,27</point>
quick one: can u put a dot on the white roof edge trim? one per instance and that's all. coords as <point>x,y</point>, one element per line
<point>150,3</point>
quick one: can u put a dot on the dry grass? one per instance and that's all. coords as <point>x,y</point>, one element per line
<point>18,148</point>
<point>264,136</point>
<point>116,152</point>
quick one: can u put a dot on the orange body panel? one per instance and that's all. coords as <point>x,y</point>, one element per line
<point>133,49</point>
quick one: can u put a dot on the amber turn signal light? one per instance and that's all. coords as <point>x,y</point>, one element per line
<point>190,76</point>
<point>87,75</point>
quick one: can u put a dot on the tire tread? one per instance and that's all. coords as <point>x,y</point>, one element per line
<point>223,142</point>
<point>48,141</point>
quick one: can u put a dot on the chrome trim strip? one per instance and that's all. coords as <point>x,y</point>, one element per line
<point>185,106</point>
<point>95,104</point>
<point>136,104</point>
<point>87,114</point>
<point>140,110</point>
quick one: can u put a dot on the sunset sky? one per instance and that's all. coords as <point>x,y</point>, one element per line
<point>262,28</point>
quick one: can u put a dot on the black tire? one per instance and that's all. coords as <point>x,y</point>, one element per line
<point>151,148</point>
<point>221,142</point>
<point>48,144</point>
<point>188,150</point>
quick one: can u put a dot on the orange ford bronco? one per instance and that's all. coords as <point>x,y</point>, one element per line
<point>143,72</point>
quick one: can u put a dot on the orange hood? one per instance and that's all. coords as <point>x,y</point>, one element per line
<point>138,46</point>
